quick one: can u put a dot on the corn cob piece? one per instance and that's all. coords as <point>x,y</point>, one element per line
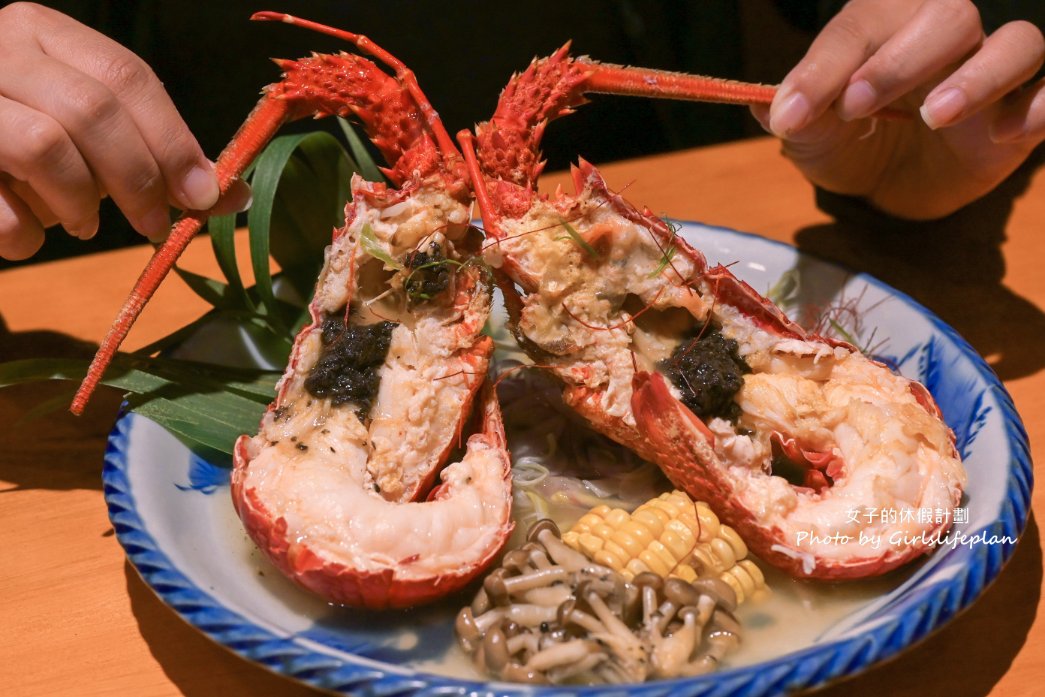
<point>671,536</point>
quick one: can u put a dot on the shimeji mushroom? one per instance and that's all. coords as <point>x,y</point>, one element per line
<point>549,614</point>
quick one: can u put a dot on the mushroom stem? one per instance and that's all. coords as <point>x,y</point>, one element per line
<point>531,615</point>
<point>488,619</point>
<point>535,579</point>
<point>563,673</point>
<point>649,605</point>
<point>606,616</point>
<point>563,555</point>
<point>584,620</point>
<point>561,654</point>
<point>539,559</point>
<point>665,613</point>
<point>523,641</point>
<point>671,653</point>
<point>552,595</point>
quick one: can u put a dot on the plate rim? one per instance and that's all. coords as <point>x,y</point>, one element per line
<point>813,666</point>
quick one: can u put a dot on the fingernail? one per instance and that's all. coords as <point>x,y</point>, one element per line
<point>156,224</point>
<point>85,230</point>
<point>199,189</point>
<point>792,115</point>
<point>857,101</point>
<point>761,114</point>
<point>1007,129</point>
<point>942,109</point>
<point>250,199</point>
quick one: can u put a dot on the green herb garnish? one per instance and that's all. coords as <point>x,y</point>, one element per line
<point>665,259</point>
<point>668,253</point>
<point>372,247</point>
<point>578,239</point>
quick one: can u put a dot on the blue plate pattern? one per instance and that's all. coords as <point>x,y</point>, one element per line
<point>977,407</point>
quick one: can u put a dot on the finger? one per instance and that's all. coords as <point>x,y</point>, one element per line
<point>848,40</point>
<point>30,198</point>
<point>188,175</point>
<point>913,56</point>
<point>1021,119</point>
<point>46,160</point>
<point>1009,57</point>
<point>21,234</point>
<point>102,131</point>
<point>236,200</point>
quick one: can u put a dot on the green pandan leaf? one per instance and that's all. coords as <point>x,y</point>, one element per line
<point>214,292</point>
<point>367,167</point>
<point>202,404</point>
<point>267,172</point>
<point>222,230</point>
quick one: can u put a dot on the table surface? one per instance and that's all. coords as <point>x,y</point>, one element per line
<point>79,621</point>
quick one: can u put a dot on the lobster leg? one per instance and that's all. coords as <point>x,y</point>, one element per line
<point>320,86</point>
<point>252,137</point>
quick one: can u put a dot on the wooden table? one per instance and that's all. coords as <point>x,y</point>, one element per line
<point>77,620</point>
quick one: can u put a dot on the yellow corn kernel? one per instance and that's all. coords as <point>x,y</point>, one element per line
<point>734,583</point>
<point>634,567</point>
<point>730,535</point>
<point>616,517</point>
<point>637,532</point>
<point>668,535</point>
<point>704,561</point>
<point>655,563</point>
<point>756,573</point>
<point>685,572</point>
<point>658,548</point>
<point>616,550</point>
<point>723,552</point>
<point>650,520</point>
<point>709,524</point>
<point>630,544</point>
<point>588,543</point>
<point>678,538</point>
<point>667,507</point>
<point>607,558</point>
<point>588,521</point>
<point>758,579</point>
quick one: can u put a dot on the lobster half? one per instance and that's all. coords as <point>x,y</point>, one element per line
<point>792,438</point>
<point>337,486</point>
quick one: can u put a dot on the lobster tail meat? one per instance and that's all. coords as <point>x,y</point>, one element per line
<point>336,488</point>
<point>797,441</point>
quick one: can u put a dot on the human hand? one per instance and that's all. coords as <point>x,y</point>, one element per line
<point>82,118</point>
<point>972,121</point>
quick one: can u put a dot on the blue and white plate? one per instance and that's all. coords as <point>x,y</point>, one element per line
<point>172,512</point>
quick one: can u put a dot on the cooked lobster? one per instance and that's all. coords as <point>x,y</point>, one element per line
<point>789,436</point>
